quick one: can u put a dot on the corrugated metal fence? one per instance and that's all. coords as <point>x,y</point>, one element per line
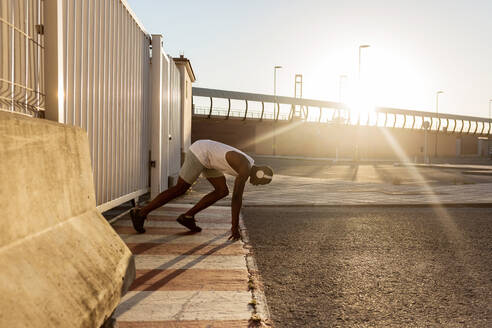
<point>106,63</point>
<point>98,77</point>
<point>21,69</point>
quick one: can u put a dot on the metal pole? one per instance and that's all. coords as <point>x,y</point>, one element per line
<point>490,102</point>
<point>360,52</point>
<point>359,60</point>
<point>358,120</point>
<point>426,126</point>
<point>274,144</point>
<point>338,118</point>
<point>426,159</point>
<point>274,88</point>
<point>489,143</point>
<point>340,94</point>
<point>274,101</point>
<point>53,61</point>
<point>437,115</point>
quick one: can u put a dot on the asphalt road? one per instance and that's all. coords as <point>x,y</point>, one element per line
<point>374,267</point>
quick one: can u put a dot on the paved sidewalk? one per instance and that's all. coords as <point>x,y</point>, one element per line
<point>301,191</point>
<point>187,279</point>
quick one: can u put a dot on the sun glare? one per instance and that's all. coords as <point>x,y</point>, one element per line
<point>361,104</point>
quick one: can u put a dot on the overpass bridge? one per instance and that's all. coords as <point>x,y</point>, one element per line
<point>214,103</point>
<point>277,125</point>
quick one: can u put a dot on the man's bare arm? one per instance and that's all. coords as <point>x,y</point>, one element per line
<point>237,201</point>
<point>241,165</point>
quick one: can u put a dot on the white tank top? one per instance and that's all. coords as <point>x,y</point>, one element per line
<point>212,155</point>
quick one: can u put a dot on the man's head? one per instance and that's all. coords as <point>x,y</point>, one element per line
<point>260,175</point>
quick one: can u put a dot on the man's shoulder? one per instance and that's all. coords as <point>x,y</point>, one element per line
<point>239,162</point>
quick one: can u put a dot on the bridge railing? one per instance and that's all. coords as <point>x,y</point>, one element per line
<point>279,108</point>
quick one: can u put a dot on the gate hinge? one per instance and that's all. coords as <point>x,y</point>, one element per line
<point>40,29</point>
<point>152,163</point>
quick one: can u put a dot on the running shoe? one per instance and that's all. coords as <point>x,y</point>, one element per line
<point>138,220</point>
<point>188,222</point>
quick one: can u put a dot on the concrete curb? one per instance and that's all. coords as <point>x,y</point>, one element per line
<point>262,311</point>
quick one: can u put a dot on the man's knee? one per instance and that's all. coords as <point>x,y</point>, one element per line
<point>223,192</point>
<point>181,187</point>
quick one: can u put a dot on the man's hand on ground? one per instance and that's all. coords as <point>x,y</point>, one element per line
<point>235,235</point>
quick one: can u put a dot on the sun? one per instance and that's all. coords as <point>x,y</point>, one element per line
<point>361,103</point>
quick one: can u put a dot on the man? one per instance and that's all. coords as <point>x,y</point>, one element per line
<point>212,159</point>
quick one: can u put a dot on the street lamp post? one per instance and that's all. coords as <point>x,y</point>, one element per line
<point>274,144</point>
<point>437,115</point>
<point>275,68</point>
<point>490,123</point>
<point>489,144</point>
<point>341,77</point>
<point>363,46</point>
<point>426,129</point>
<point>360,53</point>
<point>490,102</point>
<point>338,116</point>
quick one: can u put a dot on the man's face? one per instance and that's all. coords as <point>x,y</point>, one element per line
<point>260,175</point>
<point>253,181</point>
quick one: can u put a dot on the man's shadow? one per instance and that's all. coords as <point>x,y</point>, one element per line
<point>137,298</point>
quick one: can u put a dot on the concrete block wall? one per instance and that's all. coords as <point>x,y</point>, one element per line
<point>61,263</point>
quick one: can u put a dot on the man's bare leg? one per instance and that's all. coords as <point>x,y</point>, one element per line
<point>165,197</point>
<point>220,191</point>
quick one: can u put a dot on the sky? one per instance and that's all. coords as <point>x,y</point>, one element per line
<point>416,48</point>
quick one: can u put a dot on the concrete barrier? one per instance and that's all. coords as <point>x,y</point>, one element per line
<point>61,263</point>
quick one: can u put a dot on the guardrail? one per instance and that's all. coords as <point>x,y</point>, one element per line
<point>22,52</point>
<point>280,108</point>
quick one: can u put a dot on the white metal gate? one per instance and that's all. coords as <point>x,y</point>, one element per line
<point>87,63</point>
<point>174,121</point>
<point>166,123</point>
<point>99,55</point>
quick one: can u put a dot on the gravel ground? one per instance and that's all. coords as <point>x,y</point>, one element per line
<point>374,267</point>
